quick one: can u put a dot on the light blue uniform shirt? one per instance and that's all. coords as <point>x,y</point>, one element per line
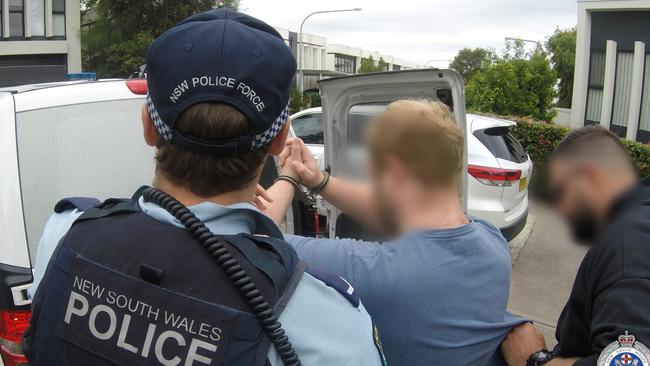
<point>322,325</point>
<point>438,297</point>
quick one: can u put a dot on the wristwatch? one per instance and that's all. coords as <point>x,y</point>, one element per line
<point>540,358</point>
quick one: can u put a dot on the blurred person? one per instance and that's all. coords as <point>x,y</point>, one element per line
<point>189,272</point>
<point>438,291</point>
<point>598,193</point>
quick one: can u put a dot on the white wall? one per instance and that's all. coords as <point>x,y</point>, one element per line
<point>563,117</point>
<point>73,34</point>
<point>70,46</point>
<point>357,52</point>
<point>583,53</point>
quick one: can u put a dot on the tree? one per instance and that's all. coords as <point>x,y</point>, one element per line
<point>515,50</point>
<point>116,33</point>
<point>368,65</point>
<point>515,86</point>
<point>297,101</point>
<point>230,4</point>
<point>562,47</point>
<point>468,61</point>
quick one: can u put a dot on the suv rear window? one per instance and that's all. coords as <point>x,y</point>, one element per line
<point>309,128</point>
<point>502,144</point>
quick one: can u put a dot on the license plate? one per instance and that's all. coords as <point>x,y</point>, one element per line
<point>523,183</point>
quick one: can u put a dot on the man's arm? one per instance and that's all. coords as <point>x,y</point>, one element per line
<point>340,256</point>
<point>55,228</point>
<point>350,197</point>
<point>353,198</point>
<point>562,362</point>
<point>280,196</point>
<point>524,340</point>
<point>619,308</point>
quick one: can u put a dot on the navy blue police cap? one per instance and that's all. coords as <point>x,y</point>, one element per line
<point>220,56</point>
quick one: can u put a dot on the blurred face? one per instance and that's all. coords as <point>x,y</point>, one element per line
<point>573,193</point>
<point>383,189</point>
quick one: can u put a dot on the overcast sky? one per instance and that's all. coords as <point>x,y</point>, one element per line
<point>420,30</point>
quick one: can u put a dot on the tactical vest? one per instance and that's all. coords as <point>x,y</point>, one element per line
<point>123,288</point>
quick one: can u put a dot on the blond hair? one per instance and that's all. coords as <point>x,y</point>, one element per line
<point>423,136</point>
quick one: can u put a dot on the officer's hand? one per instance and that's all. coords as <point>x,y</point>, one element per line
<point>261,198</point>
<point>521,342</point>
<point>285,159</point>
<point>304,163</point>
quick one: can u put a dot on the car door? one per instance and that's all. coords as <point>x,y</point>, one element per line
<point>308,125</point>
<point>348,105</point>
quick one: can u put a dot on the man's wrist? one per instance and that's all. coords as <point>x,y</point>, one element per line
<point>316,182</point>
<point>288,180</point>
<point>541,357</point>
<point>291,174</point>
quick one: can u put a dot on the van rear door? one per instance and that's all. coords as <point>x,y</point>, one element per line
<point>350,101</point>
<point>59,141</point>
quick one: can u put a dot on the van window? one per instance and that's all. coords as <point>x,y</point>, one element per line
<point>88,150</point>
<point>359,117</point>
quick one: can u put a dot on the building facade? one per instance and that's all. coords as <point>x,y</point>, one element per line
<point>612,72</point>
<point>39,40</point>
<point>321,59</point>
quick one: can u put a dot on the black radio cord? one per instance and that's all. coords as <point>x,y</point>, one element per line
<point>242,281</point>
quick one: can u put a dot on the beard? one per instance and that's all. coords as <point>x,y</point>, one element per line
<point>387,216</point>
<point>584,225</point>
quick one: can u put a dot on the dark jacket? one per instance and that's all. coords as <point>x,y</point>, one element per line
<point>611,293</point>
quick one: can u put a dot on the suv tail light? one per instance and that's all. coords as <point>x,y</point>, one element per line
<point>13,324</point>
<point>494,176</point>
<point>137,86</point>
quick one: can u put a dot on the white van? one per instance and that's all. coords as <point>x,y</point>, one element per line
<point>59,140</point>
<point>84,138</point>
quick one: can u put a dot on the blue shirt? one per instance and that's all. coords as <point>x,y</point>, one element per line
<point>323,326</point>
<point>437,297</point>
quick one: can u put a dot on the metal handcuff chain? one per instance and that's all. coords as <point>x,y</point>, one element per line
<point>237,274</point>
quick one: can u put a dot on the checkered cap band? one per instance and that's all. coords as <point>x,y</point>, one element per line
<point>162,128</point>
<point>268,135</point>
<point>258,140</point>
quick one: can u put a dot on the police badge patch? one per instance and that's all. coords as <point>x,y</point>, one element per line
<point>625,351</point>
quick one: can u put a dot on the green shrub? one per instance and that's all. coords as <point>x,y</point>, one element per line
<point>540,139</point>
<point>520,87</point>
<point>640,154</point>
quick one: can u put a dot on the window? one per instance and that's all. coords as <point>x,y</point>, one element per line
<point>502,144</point>
<point>52,131</point>
<point>595,88</point>
<point>309,128</point>
<point>16,23</point>
<point>38,18</point>
<point>58,18</point>
<point>397,67</point>
<point>346,64</point>
<point>644,123</point>
<point>622,88</point>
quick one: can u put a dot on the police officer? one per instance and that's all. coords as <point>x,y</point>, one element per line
<point>606,320</point>
<point>189,272</point>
